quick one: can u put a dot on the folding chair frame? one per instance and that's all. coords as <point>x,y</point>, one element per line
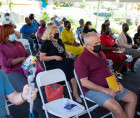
<point>88,110</point>
<point>38,78</point>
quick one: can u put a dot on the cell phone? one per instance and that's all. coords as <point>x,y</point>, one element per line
<point>70,106</point>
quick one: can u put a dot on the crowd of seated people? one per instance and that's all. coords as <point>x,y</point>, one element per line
<point>12,55</point>
<point>108,46</point>
<point>91,60</point>
<point>107,22</point>
<point>125,42</point>
<point>28,32</point>
<point>54,54</point>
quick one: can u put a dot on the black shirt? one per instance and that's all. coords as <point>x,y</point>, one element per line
<point>136,37</point>
<point>129,40</point>
<point>49,48</point>
<point>92,30</point>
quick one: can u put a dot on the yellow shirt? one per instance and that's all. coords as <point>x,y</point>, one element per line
<point>67,36</point>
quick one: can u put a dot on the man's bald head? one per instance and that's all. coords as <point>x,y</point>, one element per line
<point>91,39</point>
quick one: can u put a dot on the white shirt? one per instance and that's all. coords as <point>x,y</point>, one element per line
<point>8,22</point>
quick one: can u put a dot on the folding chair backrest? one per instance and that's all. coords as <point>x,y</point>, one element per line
<point>50,77</point>
<point>26,44</point>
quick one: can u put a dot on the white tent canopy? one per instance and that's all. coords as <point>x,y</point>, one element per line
<point>97,0</point>
<point>129,0</point>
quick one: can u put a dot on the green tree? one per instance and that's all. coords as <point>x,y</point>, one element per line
<point>82,5</point>
<point>0,4</point>
<point>10,4</point>
<point>46,17</point>
<point>63,4</point>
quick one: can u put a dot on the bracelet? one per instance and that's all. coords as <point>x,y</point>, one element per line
<point>22,97</point>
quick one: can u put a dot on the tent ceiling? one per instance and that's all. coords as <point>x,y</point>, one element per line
<point>92,0</point>
<point>83,0</point>
<point>129,0</point>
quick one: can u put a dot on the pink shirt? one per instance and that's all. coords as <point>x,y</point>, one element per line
<point>41,31</point>
<point>8,53</point>
<point>93,67</point>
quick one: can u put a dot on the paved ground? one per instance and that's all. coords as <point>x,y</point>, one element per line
<point>131,81</point>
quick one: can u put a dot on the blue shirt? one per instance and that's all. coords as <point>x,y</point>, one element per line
<point>79,31</point>
<point>35,24</point>
<point>27,30</point>
<point>61,29</point>
<point>5,89</point>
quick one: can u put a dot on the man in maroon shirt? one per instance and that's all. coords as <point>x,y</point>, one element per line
<point>92,69</point>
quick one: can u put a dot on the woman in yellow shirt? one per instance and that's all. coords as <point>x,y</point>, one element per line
<point>69,40</point>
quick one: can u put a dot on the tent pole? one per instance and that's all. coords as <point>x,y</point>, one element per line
<point>97,14</point>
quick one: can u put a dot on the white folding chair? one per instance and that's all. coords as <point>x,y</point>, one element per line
<point>55,107</point>
<point>26,44</point>
<point>38,44</point>
<point>6,107</point>
<point>88,109</point>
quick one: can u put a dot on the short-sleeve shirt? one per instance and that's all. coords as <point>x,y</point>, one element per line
<point>5,89</point>
<point>136,37</point>
<point>60,29</point>
<point>41,31</point>
<point>108,41</point>
<point>35,24</point>
<point>8,22</point>
<point>8,53</point>
<point>93,67</point>
<point>67,36</point>
<point>50,50</point>
<point>27,30</point>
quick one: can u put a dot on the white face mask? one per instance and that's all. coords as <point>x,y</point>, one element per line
<point>7,17</point>
<point>52,21</point>
<point>12,37</point>
<point>62,25</point>
<point>90,27</point>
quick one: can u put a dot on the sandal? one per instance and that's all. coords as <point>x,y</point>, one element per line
<point>119,75</point>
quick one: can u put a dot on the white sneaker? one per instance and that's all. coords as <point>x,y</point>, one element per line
<point>138,113</point>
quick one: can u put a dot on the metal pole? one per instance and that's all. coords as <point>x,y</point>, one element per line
<point>97,14</point>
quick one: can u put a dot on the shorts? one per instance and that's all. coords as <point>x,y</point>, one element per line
<point>134,52</point>
<point>100,97</point>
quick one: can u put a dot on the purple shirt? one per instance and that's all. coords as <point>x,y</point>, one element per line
<point>93,67</point>
<point>8,53</point>
<point>41,31</point>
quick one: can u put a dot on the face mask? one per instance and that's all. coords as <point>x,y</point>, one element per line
<point>12,37</point>
<point>29,24</point>
<point>107,33</point>
<point>56,35</point>
<point>139,31</point>
<point>90,27</point>
<point>97,49</point>
<point>7,17</point>
<point>108,24</point>
<point>51,21</point>
<point>56,19</point>
<point>62,25</point>
<point>126,29</point>
<point>68,27</point>
<point>43,25</point>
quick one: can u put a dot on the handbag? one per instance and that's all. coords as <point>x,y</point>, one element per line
<point>54,92</point>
